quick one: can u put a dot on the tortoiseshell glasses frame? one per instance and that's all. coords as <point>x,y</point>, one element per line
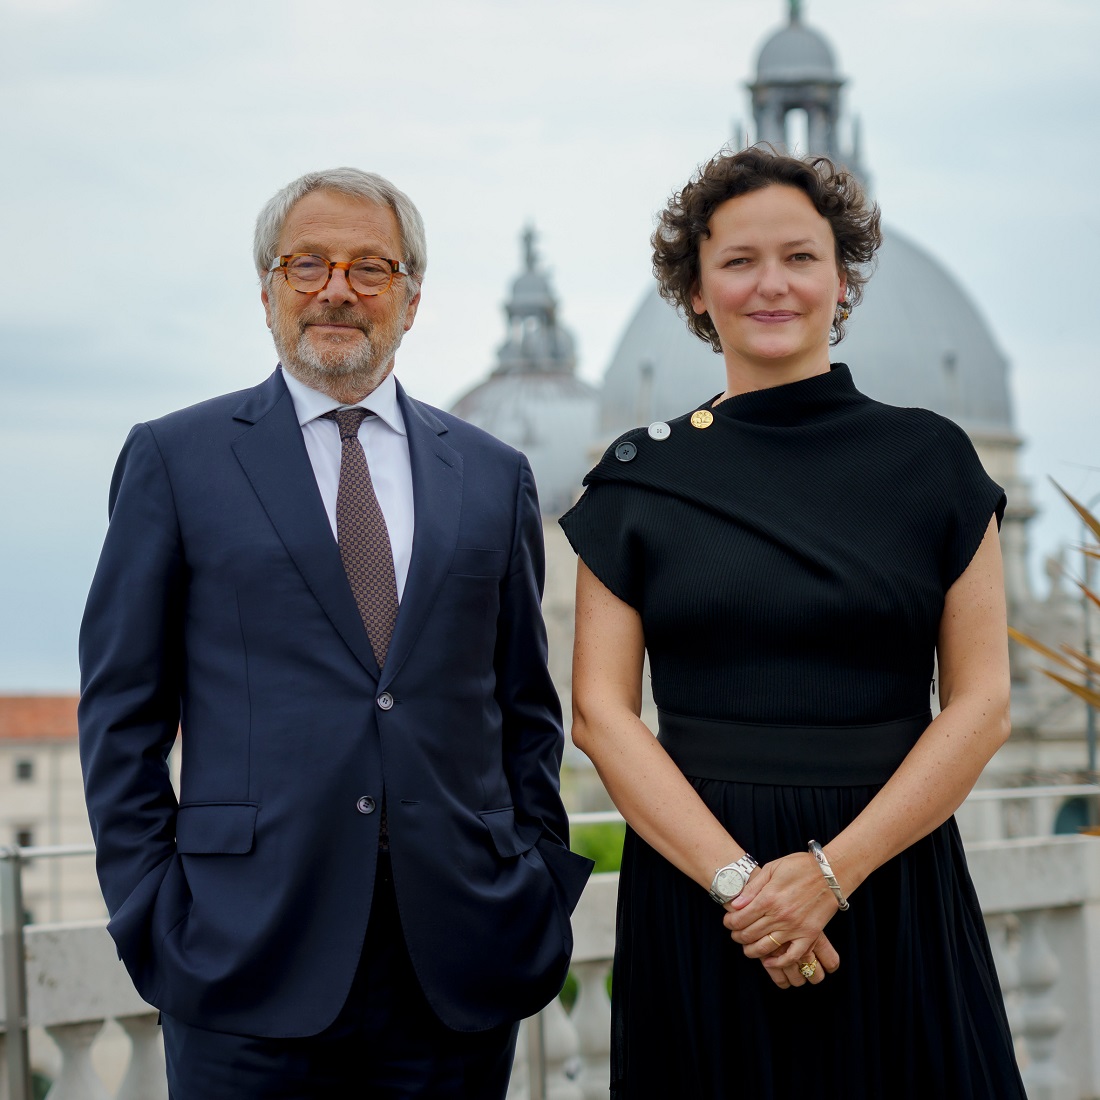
<point>308,273</point>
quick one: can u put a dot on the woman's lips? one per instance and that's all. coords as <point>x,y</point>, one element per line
<point>773,317</point>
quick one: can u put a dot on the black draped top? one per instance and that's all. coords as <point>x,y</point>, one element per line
<point>790,559</point>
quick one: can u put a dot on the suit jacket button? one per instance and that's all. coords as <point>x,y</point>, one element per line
<point>626,451</point>
<point>365,805</point>
<point>385,700</point>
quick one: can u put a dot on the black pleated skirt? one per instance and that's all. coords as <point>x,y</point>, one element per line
<point>914,1012</point>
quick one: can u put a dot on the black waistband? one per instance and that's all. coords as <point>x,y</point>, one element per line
<point>789,756</point>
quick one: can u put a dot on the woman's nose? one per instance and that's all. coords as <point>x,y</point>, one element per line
<point>773,280</point>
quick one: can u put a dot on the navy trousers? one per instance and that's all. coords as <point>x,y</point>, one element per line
<point>386,1044</point>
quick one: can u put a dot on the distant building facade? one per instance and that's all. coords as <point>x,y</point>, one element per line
<point>42,804</point>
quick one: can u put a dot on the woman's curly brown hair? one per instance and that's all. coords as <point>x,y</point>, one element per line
<point>836,194</point>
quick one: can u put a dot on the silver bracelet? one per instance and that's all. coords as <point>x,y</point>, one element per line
<point>818,854</point>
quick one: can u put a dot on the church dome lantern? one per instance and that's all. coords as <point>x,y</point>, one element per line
<point>533,399</point>
<point>796,72</point>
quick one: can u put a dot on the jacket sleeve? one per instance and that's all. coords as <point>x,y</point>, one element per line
<point>131,665</point>
<point>533,735</point>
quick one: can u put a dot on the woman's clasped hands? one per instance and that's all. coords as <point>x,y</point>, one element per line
<point>779,918</point>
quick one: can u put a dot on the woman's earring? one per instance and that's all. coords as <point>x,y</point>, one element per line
<point>843,311</point>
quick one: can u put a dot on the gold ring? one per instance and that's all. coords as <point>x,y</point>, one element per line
<point>775,941</point>
<point>808,970</point>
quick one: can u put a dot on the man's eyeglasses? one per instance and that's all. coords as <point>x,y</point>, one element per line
<point>309,274</point>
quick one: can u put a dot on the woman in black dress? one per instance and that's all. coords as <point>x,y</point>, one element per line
<point>793,556</point>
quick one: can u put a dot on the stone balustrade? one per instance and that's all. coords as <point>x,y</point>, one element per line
<point>1040,898</point>
<point>74,986</point>
<point>1041,901</point>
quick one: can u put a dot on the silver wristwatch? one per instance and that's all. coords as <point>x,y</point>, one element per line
<point>730,880</point>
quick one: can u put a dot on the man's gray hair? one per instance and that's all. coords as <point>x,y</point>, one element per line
<point>359,185</point>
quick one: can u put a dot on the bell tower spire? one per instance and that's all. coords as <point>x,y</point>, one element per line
<point>796,71</point>
<point>536,342</point>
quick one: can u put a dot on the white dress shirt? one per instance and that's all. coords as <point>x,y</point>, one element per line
<point>386,446</point>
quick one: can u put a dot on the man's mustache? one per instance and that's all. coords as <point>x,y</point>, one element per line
<point>339,316</point>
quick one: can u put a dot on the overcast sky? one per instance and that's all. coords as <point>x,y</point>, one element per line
<point>141,139</point>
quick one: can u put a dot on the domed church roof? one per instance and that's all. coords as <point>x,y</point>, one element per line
<point>915,340</point>
<point>533,399</point>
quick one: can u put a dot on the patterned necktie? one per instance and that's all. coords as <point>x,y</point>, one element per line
<point>362,536</point>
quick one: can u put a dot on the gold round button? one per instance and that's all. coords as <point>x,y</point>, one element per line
<point>703,418</point>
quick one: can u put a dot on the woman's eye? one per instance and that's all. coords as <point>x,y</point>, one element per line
<point>802,257</point>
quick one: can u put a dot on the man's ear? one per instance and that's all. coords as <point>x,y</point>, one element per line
<point>266,299</point>
<point>410,310</point>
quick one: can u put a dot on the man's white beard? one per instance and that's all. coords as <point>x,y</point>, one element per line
<point>360,366</point>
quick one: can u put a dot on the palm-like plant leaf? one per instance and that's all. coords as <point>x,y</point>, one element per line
<point>1092,596</point>
<point>1091,521</point>
<point>1043,650</point>
<point>1090,695</point>
<point>1081,664</point>
<point>1089,663</point>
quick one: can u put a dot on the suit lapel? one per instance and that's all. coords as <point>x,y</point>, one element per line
<point>274,458</point>
<point>437,507</point>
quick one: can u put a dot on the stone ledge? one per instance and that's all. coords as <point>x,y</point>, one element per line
<point>74,974</point>
<point>1035,872</point>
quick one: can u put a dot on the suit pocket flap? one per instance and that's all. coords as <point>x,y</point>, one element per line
<point>508,838</point>
<point>469,561</point>
<point>215,828</point>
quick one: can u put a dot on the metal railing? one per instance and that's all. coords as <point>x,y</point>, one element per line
<point>1069,790</point>
<point>13,956</point>
<point>15,1022</point>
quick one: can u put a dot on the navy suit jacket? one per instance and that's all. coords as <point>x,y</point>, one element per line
<point>220,607</point>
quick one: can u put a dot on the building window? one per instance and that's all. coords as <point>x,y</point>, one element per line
<point>24,770</point>
<point>24,837</point>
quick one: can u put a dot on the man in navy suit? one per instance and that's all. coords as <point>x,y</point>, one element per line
<point>365,882</point>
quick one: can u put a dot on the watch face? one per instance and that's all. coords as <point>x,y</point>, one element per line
<point>729,881</point>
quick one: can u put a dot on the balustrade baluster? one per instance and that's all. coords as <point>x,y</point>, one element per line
<point>1041,1019</point>
<point>145,1076</point>
<point>77,1080</point>
<point>1003,930</point>
<point>562,1053</point>
<point>591,1019</point>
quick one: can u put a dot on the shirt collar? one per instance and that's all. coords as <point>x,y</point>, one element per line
<point>309,404</point>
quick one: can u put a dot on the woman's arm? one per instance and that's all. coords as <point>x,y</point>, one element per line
<point>649,790</point>
<point>927,788</point>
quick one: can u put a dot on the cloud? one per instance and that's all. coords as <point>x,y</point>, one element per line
<point>145,138</point>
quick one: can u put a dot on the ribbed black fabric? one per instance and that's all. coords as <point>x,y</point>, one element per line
<point>790,560</point>
<point>790,563</point>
